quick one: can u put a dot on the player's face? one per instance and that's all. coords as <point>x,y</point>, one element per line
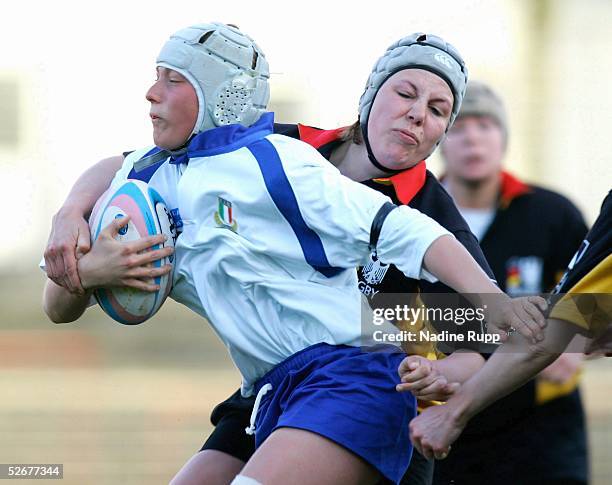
<point>409,115</point>
<point>174,108</point>
<point>474,148</point>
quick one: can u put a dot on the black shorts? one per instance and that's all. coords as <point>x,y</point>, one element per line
<point>233,415</point>
<point>230,418</point>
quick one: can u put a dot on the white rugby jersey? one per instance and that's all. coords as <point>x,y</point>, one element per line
<point>271,236</point>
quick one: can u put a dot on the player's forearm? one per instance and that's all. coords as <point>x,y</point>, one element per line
<point>91,185</point>
<point>513,364</point>
<point>453,265</point>
<point>61,306</point>
<point>459,366</point>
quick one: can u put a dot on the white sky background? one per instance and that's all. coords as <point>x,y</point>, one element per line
<point>85,67</point>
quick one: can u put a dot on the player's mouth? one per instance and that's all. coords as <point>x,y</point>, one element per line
<point>473,160</point>
<point>407,137</point>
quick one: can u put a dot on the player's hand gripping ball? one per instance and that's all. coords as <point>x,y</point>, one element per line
<point>149,216</point>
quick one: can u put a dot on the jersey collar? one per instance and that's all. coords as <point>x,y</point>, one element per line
<point>406,184</point>
<point>317,137</point>
<point>225,139</point>
<point>510,189</point>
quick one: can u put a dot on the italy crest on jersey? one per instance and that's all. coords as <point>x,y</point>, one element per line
<point>224,216</point>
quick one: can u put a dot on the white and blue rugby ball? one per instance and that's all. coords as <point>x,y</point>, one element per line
<point>149,216</point>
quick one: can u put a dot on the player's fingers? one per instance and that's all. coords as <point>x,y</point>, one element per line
<point>148,242</point>
<point>68,267</point>
<point>149,272</point>
<point>418,374</point>
<point>417,446</point>
<point>527,331</point>
<point>83,241</point>
<point>419,384</point>
<point>417,438</point>
<point>533,310</point>
<point>425,382</point>
<point>50,265</point>
<point>426,450</point>
<point>446,392</point>
<point>453,387</point>
<point>72,274</point>
<point>60,266</point>
<point>539,302</point>
<point>57,281</point>
<point>404,366</point>
<point>115,226</point>
<point>441,454</point>
<point>403,387</point>
<point>155,255</point>
<point>54,261</point>
<point>61,280</point>
<point>527,319</point>
<point>139,284</point>
<point>434,390</point>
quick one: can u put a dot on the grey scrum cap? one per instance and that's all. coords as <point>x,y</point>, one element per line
<point>417,51</point>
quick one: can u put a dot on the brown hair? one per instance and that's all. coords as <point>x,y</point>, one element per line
<point>353,133</point>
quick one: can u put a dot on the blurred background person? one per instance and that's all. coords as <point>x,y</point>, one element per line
<point>537,434</point>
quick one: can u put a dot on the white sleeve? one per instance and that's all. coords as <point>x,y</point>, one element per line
<point>337,209</point>
<point>405,236</point>
<point>341,212</point>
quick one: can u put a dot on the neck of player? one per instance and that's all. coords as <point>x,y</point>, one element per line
<point>480,194</point>
<point>353,162</point>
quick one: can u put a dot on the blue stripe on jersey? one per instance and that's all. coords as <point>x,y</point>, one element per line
<point>282,194</point>
<point>146,174</point>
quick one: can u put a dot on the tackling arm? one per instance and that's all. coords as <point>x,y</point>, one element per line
<point>69,238</point>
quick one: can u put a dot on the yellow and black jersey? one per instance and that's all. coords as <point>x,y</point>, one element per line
<point>586,286</point>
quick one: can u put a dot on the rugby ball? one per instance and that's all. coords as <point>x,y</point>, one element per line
<point>149,216</point>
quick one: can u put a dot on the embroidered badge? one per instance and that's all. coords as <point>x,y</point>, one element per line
<point>374,272</point>
<point>224,216</point>
<point>524,275</point>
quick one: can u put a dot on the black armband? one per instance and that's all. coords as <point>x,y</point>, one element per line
<point>377,223</point>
